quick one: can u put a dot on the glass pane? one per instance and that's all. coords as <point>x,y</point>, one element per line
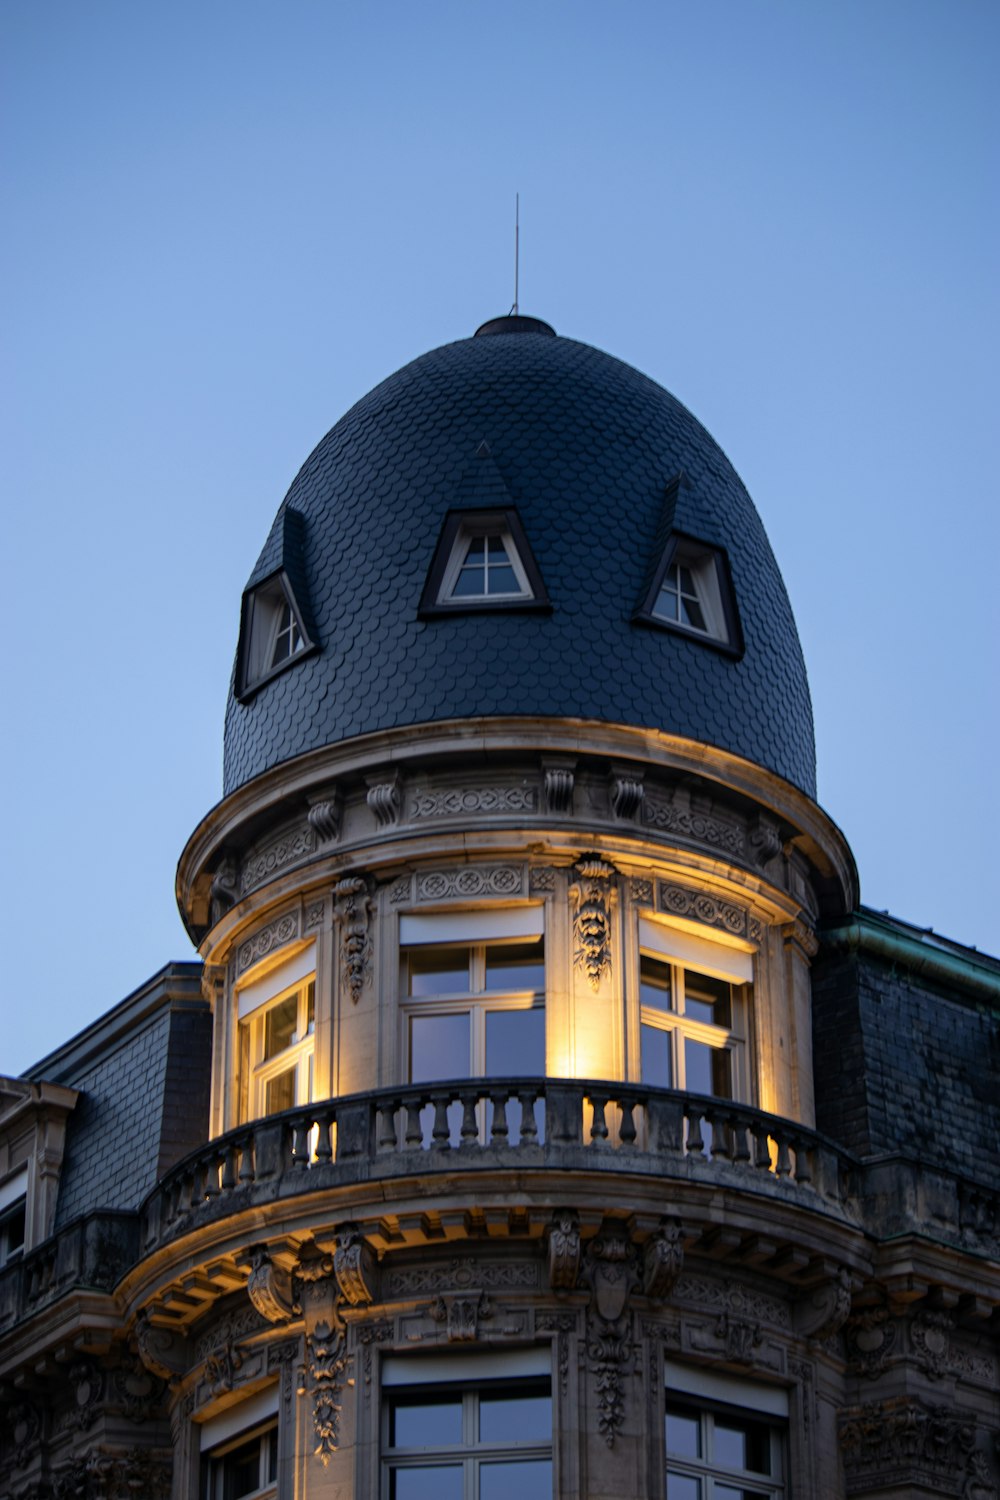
<point>692,614</point>
<point>698,1072</point>
<point>686,580</point>
<point>503,580</point>
<point>707,999</point>
<point>515,1043</point>
<point>279,1026</point>
<point>666,604</point>
<point>282,648</point>
<point>311,1008</point>
<point>527,1479</point>
<point>742,1445</point>
<point>279,1093</point>
<point>497,549</point>
<point>522,1418</point>
<point>439,1047</point>
<point>682,1487</point>
<point>683,1433</point>
<point>476,551</point>
<point>241,1471</point>
<point>657,1068</point>
<point>436,1482</point>
<point>439,971</point>
<point>471,582</point>
<point>732,1492</point>
<point>426,1423</point>
<point>516,966</point>
<point>654,983</point>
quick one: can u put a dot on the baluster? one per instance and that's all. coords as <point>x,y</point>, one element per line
<point>529,1125</point>
<point>695,1144</point>
<point>387,1128</point>
<point>598,1125</point>
<point>498,1129</point>
<point>762,1159</point>
<point>741,1147</point>
<point>414,1135</point>
<point>627,1130</point>
<point>247,1157</point>
<point>229,1168</point>
<point>186,1190</point>
<point>324,1150</point>
<point>803,1171</point>
<point>470,1127</point>
<point>783,1168</point>
<point>211,1184</point>
<point>441,1134</point>
<point>720,1134</point>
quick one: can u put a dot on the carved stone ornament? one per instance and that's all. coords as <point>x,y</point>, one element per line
<point>325,816</point>
<point>354,1266</point>
<point>470,880</point>
<point>930,1335</point>
<point>164,1351</point>
<point>663,1259</point>
<point>625,791</point>
<point>470,801</point>
<point>739,1338</point>
<point>461,1313</point>
<point>115,1476</point>
<point>610,1360</point>
<point>676,816</point>
<point>222,1366</point>
<point>764,839</point>
<point>564,1249</point>
<point>268,1286</point>
<point>352,908</point>
<point>137,1391</point>
<point>225,888</point>
<point>825,1311</point>
<point>267,939</point>
<point>870,1337</point>
<point>802,935</point>
<point>901,1443</point>
<point>87,1382</point>
<point>699,906</point>
<point>323,1377</point>
<point>287,849</point>
<point>611,1269</point>
<point>559,783</point>
<point>384,799</point>
<point>593,896</point>
<point>24,1427</point>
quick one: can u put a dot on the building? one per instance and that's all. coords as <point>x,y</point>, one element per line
<point>546,1113</point>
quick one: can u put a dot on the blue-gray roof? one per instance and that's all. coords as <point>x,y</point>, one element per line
<point>587,448</point>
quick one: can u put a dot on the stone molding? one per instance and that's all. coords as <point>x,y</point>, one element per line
<point>468,881</point>
<point>699,906</point>
<point>473,801</point>
<point>675,815</point>
<point>268,939</point>
<point>270,859</point>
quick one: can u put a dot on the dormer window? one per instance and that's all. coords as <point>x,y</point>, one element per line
<point>691,592</point>
<point>482,561</point>
<point>273,634</point>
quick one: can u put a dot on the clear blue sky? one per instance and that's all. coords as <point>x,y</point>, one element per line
<point>224,222</point>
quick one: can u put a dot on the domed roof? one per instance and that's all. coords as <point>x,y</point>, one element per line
<point>587,453</point>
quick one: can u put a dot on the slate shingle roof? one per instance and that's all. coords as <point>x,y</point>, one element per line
<point>586,446</point>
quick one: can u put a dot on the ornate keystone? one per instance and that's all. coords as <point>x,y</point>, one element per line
<point>268,1286</point>
<point>354,1266</point>
<point>593,897</point>
<point>352,911</point>
<point>461,1312</point>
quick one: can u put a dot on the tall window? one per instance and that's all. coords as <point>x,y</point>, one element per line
<point>488,1441</point>
<point>239,1450</point>
<point>693,1023</point>
<point>276,1038</point>
<point>718,1450</point>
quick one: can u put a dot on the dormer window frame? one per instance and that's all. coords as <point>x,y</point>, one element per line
<point>461,528</point>
<point>698,572</point>
<point>269,611</point>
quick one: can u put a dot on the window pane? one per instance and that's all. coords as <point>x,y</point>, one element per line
<point>497,549</point>
<point>743,1445</point>
<point>527,1479</point>
<point>503,580</point>
<point>515,1419</point>
<point>708,1070</point>
<point>439,971</point>
<point>516,966</point>
<point>666,605</point>
<point>280,1092</point>
<point>515,1043</point>
<point>731,1492</point>
<point>657,1068</point>
<point>241,1469</point>
<point>683,1433</point>
<point>439,1047</point>
<point>438,1482</point>
<point>654,983</point>
<point>311,1008</point>
<point>681,1487</point>
<point>279,1026</point>
<point>427,1423</point>
<point>707,999</point>
<point>471,582</point>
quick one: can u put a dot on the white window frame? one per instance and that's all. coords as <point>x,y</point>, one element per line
<point>684,952</point>
<point>469,531</point>
<point>704,570</point>
<point>716,1397</point>
<point>255,1001</point>
<point>216,1449</point>
<point>466,1378</point>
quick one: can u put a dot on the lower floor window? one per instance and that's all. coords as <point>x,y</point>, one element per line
<point>456,1442</point>
<point>248,1466</point>
<point>720,1451</point>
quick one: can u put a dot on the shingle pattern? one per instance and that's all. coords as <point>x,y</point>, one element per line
<point>586,447</point>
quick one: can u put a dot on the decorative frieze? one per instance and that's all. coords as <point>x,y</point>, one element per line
<point>901,1443</point>
<point>401,890</point>
<point>675,815</point>
<point>699,906</point>
<point>288,849</point>
<point>542,880</point>
<point>267,940</point>
<point>352,910</point>
<point>802,936</point>
<point>115,1476</point>
<point>462,1272</point>
<point>592,896</point>
<point>461,1313</point>
<point>642,892</point>
<point>385,799</point>
<point>469,881</point>
<point>473,801</point>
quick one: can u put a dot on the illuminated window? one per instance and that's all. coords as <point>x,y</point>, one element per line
<point>693,1013</point>
<point>482,561</point>
<point>239,1451</point>
<point>724,1438</point>
<point>692,593</point>
<point>462,1441</point>
<point>277,1022</point>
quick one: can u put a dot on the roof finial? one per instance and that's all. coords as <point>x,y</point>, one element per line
<point>517,248</point>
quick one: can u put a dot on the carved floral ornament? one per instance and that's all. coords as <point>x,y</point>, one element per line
<point>593,896</point>
<point>901,1442</point>
<point>353,910</point>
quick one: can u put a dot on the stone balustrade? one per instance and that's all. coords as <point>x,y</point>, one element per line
<point>489,1124</point>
